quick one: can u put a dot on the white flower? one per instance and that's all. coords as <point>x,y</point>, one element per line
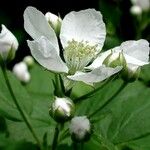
<point>136,54</point>
<point>79,128</point>
<point>135,10</point>
<point>8,44</point>
<point>20,70</point>
<point>82,36</point>
<point>62,109</point>
<point>143,4</point>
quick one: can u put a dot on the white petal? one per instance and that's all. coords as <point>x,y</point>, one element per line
<point>45,54</point>
<point>137,49</point>
<point>96,75</point>
<point>135,52</point>
<point>85,25</point>
<point>134,61</point>
<point>99,60</point>
<point>36,26</point>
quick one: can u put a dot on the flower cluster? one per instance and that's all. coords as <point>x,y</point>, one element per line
<point>82,35</point>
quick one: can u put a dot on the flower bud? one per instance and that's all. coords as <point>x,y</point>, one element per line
<point>136,10</point>
<point>131,72</point>
<point>54,21</point>
<point>115,59</point>
<point>29,61</point>
<point>8,45</point>
<point>62,109</point>
<point>20,70</point>
<point>80,129</point>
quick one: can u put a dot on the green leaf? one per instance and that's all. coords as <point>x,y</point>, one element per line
<point>7,106</point>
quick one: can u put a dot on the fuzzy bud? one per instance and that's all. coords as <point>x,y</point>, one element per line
<point>62,109</point>
<point>80,129</point>
<point>20,70</point>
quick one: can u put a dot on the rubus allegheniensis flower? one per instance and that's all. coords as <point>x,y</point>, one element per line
<point>8,44</point>
<point>82,36</point>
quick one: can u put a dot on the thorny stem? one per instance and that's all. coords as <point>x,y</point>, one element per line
<point>22,113</point>
<point>110,99</point>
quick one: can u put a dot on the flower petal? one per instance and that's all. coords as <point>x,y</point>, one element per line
<point>137,49</point>
<point>135,52</point>
<point>96,75</point>
<point>36,26</point>
<point>99,60</point>
<point>44,52</point>
<point>85,25</point>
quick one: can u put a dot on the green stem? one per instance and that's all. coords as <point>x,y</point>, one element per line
<point>22,113</point>
<point>55,139</point>
<point>110,99</point>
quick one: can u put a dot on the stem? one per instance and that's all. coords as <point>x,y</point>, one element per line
<point>109,100</point>
<point>55,139</point>
<point>22,113</point>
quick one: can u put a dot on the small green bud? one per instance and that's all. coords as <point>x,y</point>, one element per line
<point>80,129</point>
<point>54,21</point>
<point>131,73</point>
<point>115,59</point>
<point>62,109</point>
<point>29,61</point>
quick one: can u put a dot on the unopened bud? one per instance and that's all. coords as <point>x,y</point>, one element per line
<point>54,21</point>
<point>115,59</point>
<point>29,61</point>
<point>131,72</point>
<point>8,45</point>
<point>136,10</point>
<point>62,109</point>
<point>20,70</point>
<point>80,129</point>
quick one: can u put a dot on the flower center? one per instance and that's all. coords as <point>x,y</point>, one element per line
<point>78,55</point>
